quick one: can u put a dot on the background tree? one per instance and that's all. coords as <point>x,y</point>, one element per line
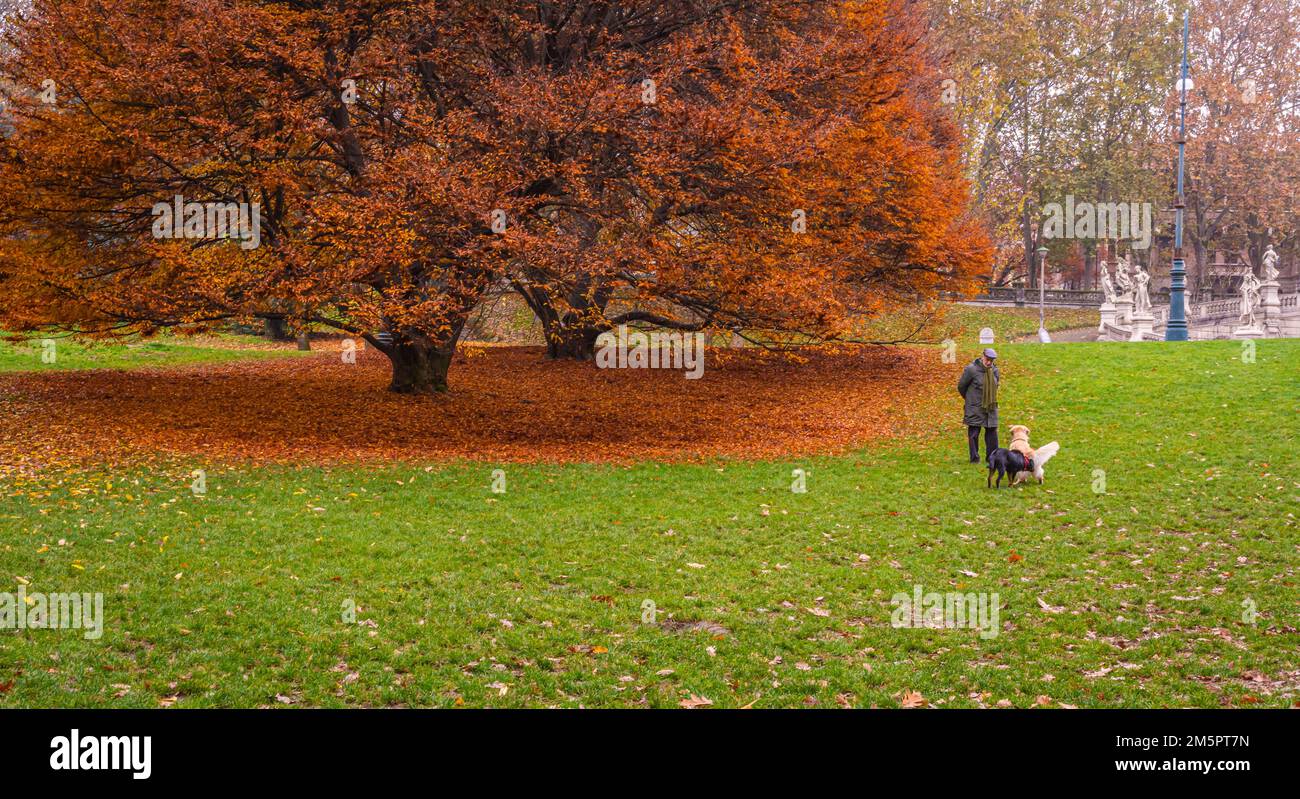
<point>1243,149</point>
<point>1056,99</point>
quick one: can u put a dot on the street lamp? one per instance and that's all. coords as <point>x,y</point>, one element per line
<point>1176,326</point>
<point>1042,277</point>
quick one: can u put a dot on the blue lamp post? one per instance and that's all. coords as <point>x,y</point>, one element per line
<point>1176,327</point>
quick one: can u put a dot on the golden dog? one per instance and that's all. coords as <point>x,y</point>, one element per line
<point>1020,440</point>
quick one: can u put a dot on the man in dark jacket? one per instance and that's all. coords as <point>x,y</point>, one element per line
<point>978,386</point>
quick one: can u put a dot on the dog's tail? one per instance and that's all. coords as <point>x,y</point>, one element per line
<point>1044,453</point>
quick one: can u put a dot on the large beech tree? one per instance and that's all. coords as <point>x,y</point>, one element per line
<point>791,169</point>
<point>345,122</point>
<point>409,155</point>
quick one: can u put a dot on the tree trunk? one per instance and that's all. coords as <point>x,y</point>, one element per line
<point>304,342</point>
<point>1027,236</point>
<point>570,331</point>
<point>419,367</point>
<point>277,330</point>
<point>578,344</point>
<point>1199,277</point>
<point>568,335</point>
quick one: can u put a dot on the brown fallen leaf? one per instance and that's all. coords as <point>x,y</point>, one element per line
<point>695,701</point>
<point>913,699</point>
<point>500,407</point>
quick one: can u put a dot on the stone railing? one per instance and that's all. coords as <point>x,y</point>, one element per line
<point>1110,332</point>
<point>1066,296</point>
<point>1219,318</point>
<point>1019,295</point>
<point>1001,294</point>
<point>1231,307</point>
<point>1216,309</point>
<point>1220,309</point>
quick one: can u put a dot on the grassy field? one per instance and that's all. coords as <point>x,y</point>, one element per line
<point>1128,579</point>
<point>64,352</point>
<point>964,322</point>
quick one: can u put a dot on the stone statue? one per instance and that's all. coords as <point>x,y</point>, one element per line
<point>1142,299</point>
<point>1107,288</point>
<point>1270,265</point>
<point>1122,277</point>
<point>1249,299</point>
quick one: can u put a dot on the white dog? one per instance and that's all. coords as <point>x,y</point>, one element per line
<point>1041,456</point>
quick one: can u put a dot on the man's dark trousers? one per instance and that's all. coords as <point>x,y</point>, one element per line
<point>973,438</point>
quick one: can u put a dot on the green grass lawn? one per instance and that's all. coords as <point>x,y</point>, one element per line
<point>1135,595</point>
<point>964,322</point>
<point>34,355</point>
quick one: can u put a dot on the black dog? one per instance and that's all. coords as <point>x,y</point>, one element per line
<point>1008,463</point>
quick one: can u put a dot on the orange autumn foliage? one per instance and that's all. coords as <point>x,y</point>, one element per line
<point>408,156</point>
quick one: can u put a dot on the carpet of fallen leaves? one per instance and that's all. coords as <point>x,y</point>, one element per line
<point>505,404</point>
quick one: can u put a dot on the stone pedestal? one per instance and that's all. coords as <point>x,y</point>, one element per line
<point>1272,308</point>
<point>1143,322</point>
<point>1248,332</point>
<point>1107,316</point>
<point>1124,311</point>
